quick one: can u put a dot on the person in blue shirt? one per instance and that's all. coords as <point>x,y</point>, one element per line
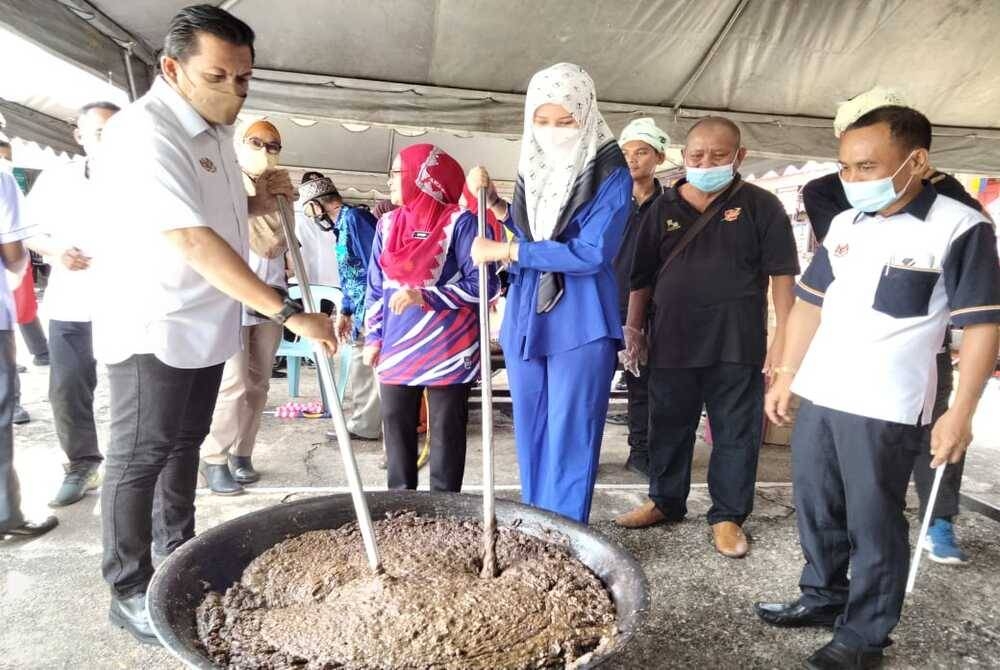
<point>562,327</point>
<point>354,231</point>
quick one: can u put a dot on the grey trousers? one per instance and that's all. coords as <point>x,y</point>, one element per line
<point>10,490</point>
<point>946,505</point>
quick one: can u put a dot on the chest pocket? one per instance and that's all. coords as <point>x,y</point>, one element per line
<point>905,292</point>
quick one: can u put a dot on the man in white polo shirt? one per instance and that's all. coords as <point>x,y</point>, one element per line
<point>63,235</point>
<point>173,271</point>
<point>862,341</point>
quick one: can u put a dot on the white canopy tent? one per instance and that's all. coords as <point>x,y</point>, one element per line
<point>456,70</point>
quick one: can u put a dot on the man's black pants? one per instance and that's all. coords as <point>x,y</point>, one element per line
<point>734,396</point>
<point>447,424</point>
<point>72,380</point>
<point>638,413</point>
<point>850,476</point>
<point>159,417</point>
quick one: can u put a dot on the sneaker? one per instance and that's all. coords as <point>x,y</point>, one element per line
<point>941,546</point>
<point>75,485</point>
<point>41,360</point>
<point>21,416</point>
<point>621,384</point>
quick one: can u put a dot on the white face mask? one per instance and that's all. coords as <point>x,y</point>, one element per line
<point>255,161</point>
<point>556,141</point>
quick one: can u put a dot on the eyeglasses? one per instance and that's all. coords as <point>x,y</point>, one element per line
<point>272,148</point>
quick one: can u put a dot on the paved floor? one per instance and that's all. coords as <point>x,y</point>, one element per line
<point>53,602</point>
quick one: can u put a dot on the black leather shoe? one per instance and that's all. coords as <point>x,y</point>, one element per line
<point>33,528</point>
<point>130,614</point>
<point>75,485</point>
<point>21,416</point>
<point>797,615</point>
<point>242,470</point>
<point>220,480</point>
<point>838,656</point>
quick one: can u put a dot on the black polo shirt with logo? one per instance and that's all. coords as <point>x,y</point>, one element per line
<point>623,261</point>
<point>710,304</point>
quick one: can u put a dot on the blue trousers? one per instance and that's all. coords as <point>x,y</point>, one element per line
<point>560,404</point>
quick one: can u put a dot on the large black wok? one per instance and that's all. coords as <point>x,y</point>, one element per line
<point>216,558</point>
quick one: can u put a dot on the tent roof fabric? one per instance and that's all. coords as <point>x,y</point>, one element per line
<point>779,68</point>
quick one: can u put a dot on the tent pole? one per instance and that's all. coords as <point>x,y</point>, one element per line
<point>132,91</point>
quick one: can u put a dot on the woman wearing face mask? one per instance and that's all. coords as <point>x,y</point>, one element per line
<point>226,452</point>
<point>562,327</point>
<point>422,321</point>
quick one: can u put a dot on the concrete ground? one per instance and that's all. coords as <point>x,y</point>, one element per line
<point>53,602</point>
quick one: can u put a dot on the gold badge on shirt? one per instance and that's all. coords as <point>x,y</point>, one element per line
<point>672,225</point>
<point>731,215</point>
<point>208,165</point>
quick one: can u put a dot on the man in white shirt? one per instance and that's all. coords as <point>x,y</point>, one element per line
<point>64,236</point>
<point>861,348</point>
<point>173,271</point>
<point>13,260</point>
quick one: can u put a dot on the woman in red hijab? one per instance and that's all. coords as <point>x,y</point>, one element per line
<point>422,321</point>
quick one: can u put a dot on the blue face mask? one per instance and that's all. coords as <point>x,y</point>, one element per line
<point>710,180</point>
<point>874,195</point>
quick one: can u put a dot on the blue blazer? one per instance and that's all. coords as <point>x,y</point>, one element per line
<point>589,308</point>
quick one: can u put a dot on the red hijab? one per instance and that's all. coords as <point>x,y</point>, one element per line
<point>418,237</point>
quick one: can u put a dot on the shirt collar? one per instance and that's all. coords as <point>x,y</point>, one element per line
<point>657,190</point>
<point>919,207</point>
<point>193,122</point>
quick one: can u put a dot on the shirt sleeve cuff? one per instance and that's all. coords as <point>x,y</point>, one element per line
<point>524,253</point>
<point>809,294</point>
<point>970,316</point>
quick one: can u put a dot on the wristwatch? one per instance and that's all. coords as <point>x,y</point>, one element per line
<point>289,308</point>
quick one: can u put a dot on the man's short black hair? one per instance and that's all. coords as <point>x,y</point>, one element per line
<point>4,144</point>
<point>181,41</point>
<point>309,176</point>
<point>100,104</point>
<point>906,125</point>
<point>719,121</point>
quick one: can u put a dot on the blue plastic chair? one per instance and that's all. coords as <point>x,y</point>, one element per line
<point>295,350</point>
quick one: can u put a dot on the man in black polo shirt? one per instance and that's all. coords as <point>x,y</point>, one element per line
<point>643,145</point>
<point>708,331</point>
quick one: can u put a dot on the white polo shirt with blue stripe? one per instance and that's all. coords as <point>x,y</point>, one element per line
<point>888,286</point>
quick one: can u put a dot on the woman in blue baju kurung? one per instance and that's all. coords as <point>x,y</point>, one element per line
<point>561,330</point>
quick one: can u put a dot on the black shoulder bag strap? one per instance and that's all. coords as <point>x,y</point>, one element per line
<point>695,228</point>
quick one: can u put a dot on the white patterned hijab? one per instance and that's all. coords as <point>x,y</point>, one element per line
<point>549,183</point>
